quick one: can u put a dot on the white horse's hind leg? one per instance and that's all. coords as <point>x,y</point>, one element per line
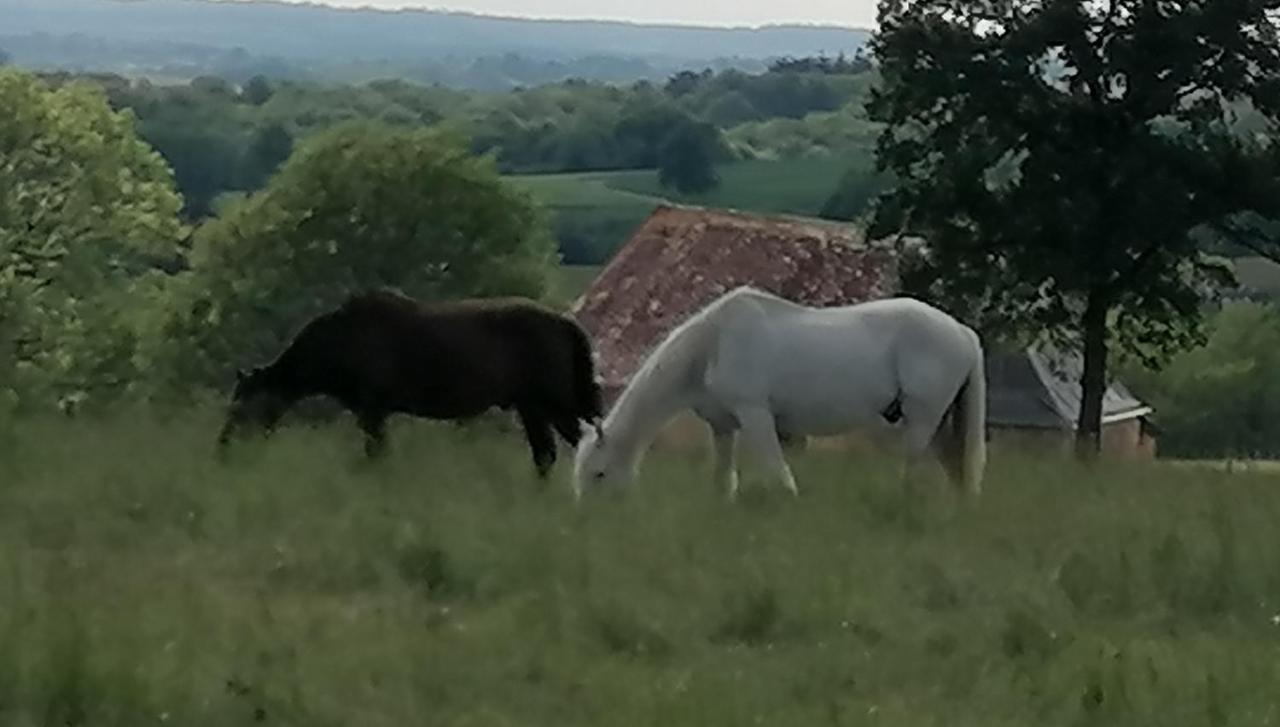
<point>948,447</point>
<point>762,438</point>
<point>726,467</point>
<point>921,421</point>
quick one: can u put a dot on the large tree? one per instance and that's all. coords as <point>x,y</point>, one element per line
<point>87,211</point>
<point>1064,160</point>
<point>355,208</point>
<point>687,158</point>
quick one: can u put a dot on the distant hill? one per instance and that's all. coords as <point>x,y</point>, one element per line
<point>142,34</point>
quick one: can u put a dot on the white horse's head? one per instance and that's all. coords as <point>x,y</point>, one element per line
<point>599,461</point>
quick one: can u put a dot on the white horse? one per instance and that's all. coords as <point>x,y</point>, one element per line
<point>758,364</point>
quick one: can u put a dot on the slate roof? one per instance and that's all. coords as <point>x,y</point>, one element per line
<point>682,258</point>
<point>1040,389</point>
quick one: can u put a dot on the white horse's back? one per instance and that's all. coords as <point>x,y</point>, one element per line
<point>831,370</point>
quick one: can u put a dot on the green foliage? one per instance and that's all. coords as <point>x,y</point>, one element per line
<point>843,132</point>
<point>257,91</point>
<point>856,194</point>
<point>840,65</point>
<point>791,93</point>
<point>1060,157</point>
<point>644,127</point>
<point>358,207</point>
<point>87,211</point>
<point>271,146</point>
<point>142,582</point>
<point>1222,399</point>
<point>221,140</point>
<point>687,158</point>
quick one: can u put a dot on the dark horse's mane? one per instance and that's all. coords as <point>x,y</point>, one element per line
<point>382,352</point>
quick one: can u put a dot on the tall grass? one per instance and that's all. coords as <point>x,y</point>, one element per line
<point>142,582</point>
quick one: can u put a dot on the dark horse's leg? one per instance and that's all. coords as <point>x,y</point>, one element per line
<point>374,426</point>
<point>541,440</point>
<point>570,428</point>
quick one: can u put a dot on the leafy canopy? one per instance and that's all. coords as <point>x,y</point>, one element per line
<point>87,211</point>
<point>1064,158</point>
<point>687,158</point>
<point>1222,399</point>
<point>355,208</point>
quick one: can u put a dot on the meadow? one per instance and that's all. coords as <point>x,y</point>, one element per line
<point>593,213</point>
<point>144,582</point>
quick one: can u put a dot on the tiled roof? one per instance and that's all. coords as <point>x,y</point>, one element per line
<point>683,258</point>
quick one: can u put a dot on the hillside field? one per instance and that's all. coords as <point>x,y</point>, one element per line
<point>594,213</point>
<point>144,583</point>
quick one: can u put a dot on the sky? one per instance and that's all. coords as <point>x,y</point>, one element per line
<point>856,13</point>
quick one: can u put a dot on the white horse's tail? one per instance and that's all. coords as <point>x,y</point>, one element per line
<point>971,422</point>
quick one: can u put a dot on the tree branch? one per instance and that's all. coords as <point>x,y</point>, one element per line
<point>1123,278</point>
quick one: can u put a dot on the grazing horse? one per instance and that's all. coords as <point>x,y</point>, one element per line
<point>383,353</point>
<point>755,363</point>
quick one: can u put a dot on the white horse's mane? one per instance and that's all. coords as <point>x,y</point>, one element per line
<point>673,354</point>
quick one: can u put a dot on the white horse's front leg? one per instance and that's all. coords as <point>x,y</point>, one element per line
<point>761,434</point>
<point>726,472</point>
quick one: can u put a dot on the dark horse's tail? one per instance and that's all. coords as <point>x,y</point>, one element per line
<point>588,399</point>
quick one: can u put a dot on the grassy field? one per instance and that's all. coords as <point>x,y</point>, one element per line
<point>594,213</point>
<point>591,218</point>
<point>794,186</point>
<point>142,583</point>
<point>574,280</point>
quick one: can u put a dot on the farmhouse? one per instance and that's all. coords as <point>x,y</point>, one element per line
<point>682,258</point>
<point>1033,401</point>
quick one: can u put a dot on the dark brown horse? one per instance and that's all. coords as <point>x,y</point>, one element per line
<point>383,353</point>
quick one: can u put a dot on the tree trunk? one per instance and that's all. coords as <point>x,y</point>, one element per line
<point>1093,382</point>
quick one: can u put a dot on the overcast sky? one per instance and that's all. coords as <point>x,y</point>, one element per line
<point>857,13</point>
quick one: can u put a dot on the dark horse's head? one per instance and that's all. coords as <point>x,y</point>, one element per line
<point>256,405</point>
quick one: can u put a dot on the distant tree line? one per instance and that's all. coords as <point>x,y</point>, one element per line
<point>840,65</point>
<point>222,137</point>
